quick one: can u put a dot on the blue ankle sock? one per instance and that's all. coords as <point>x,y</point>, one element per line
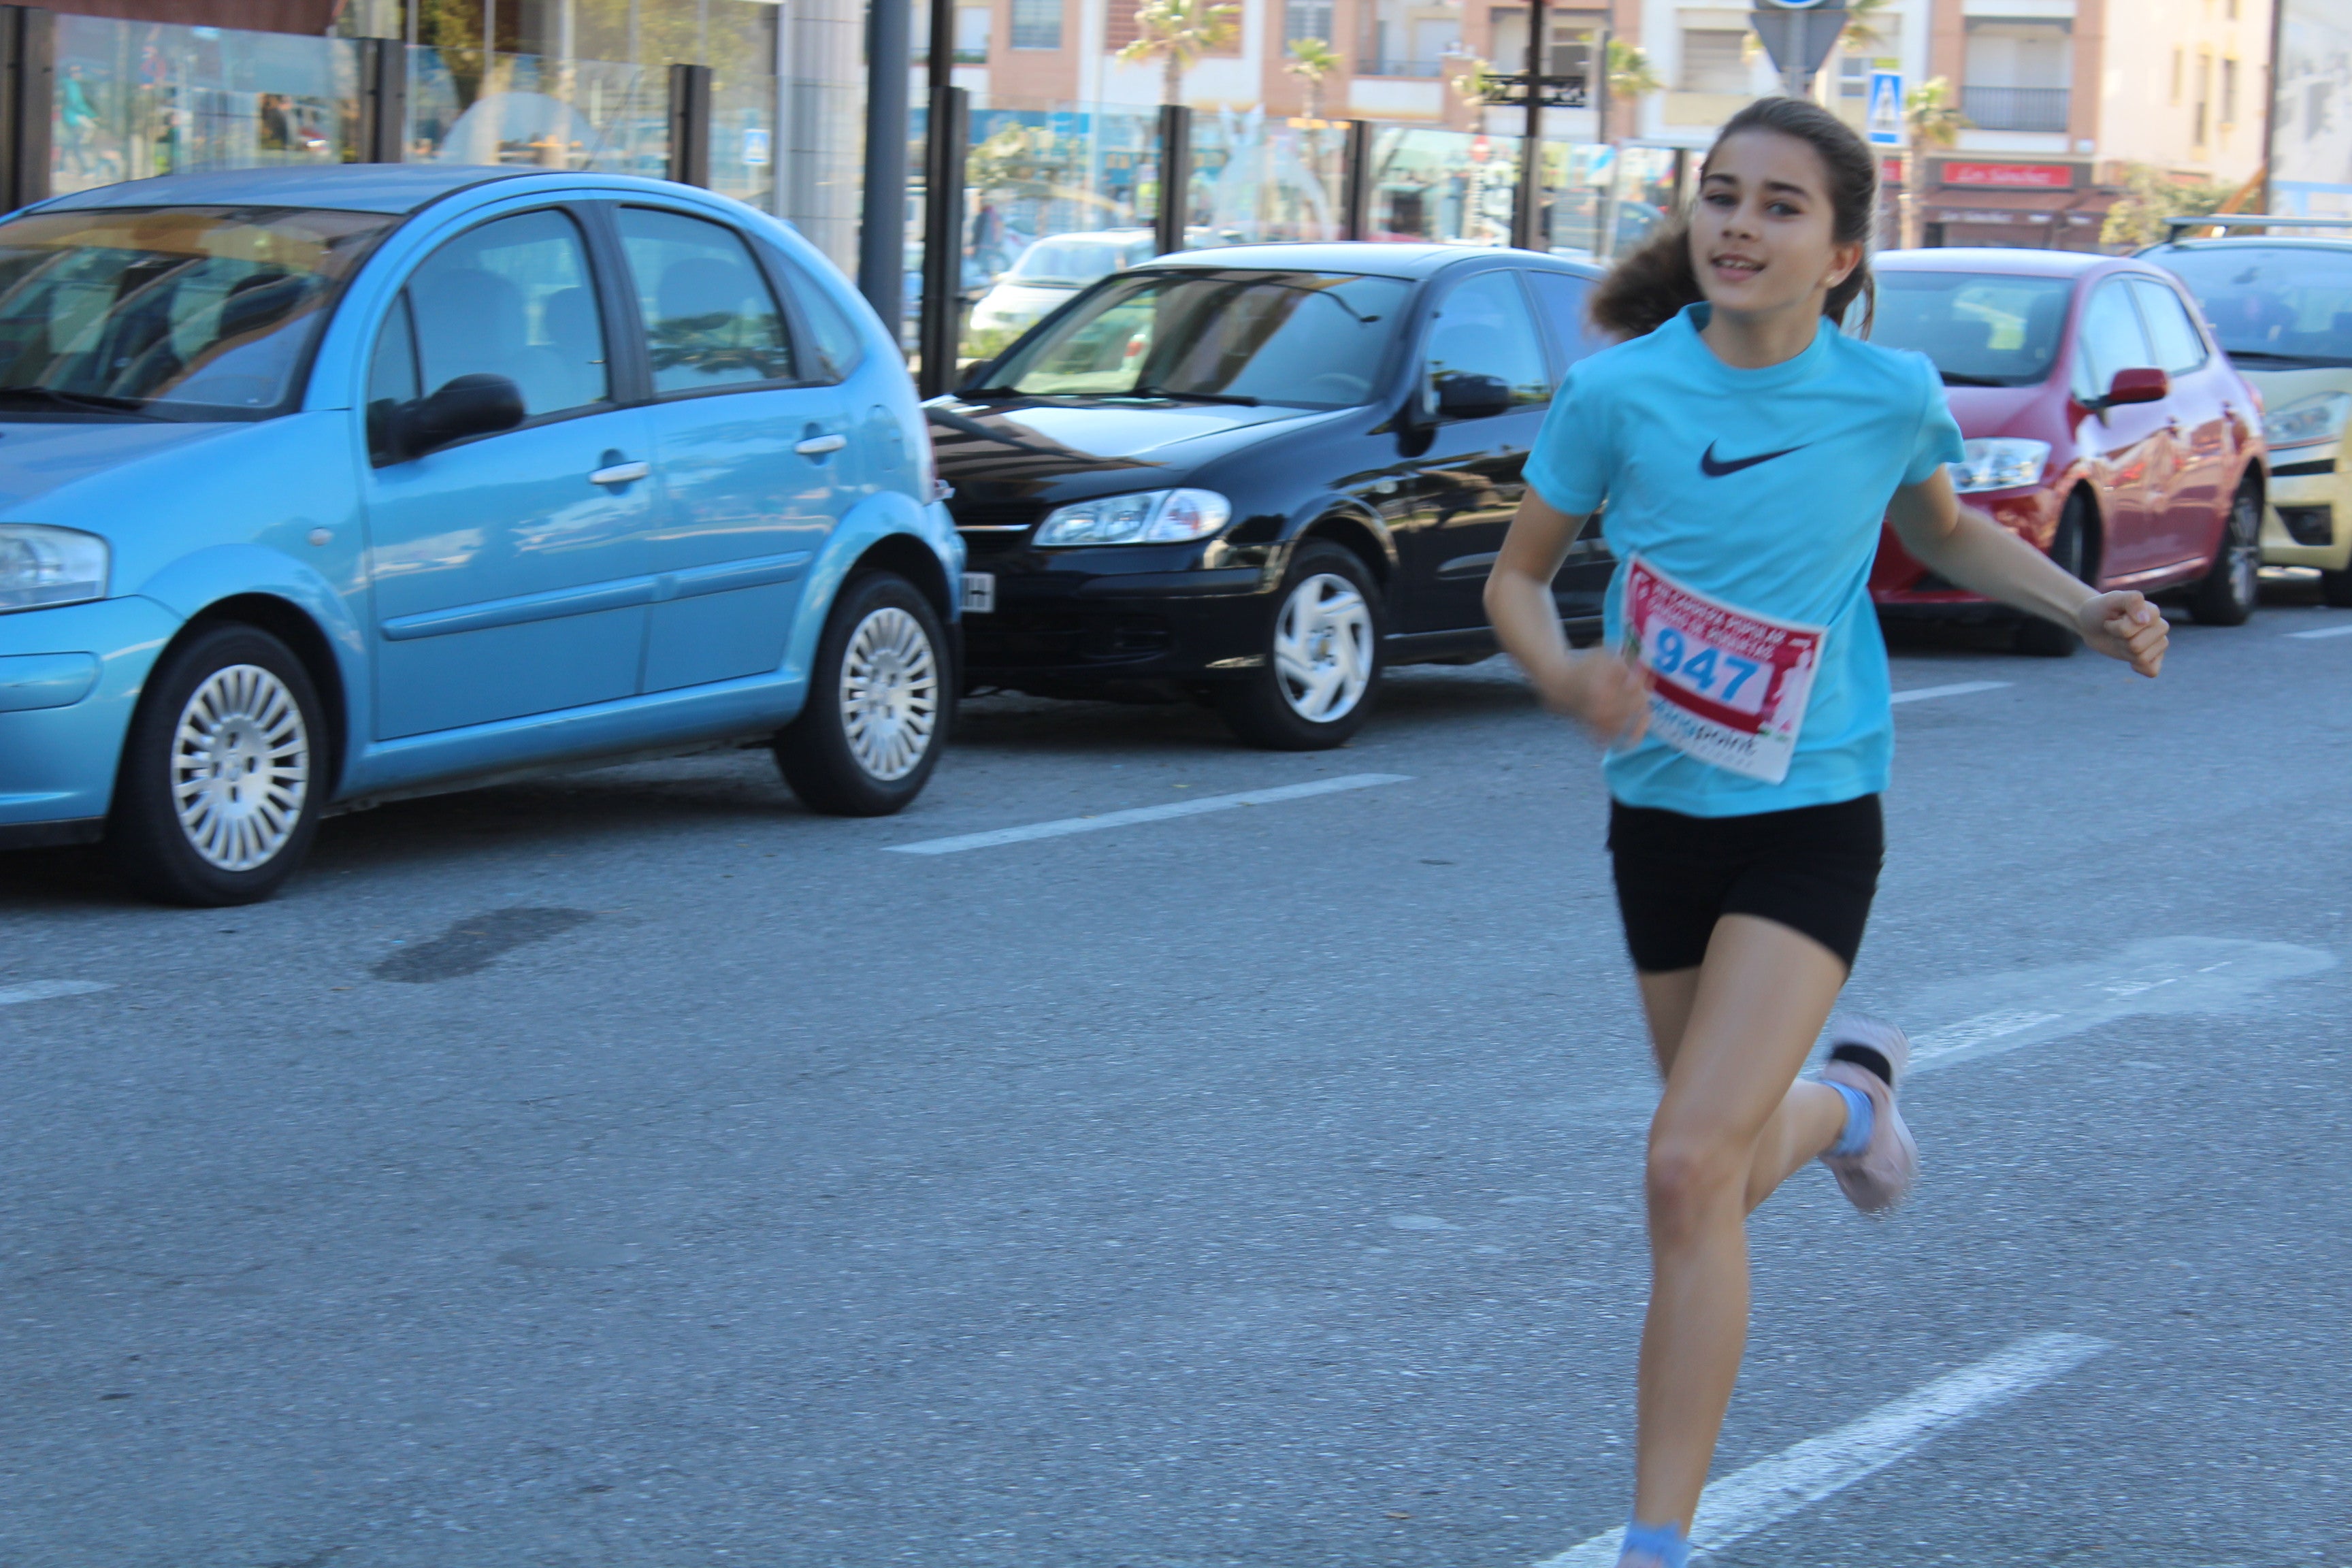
<point>1666,1541</point>
<point>1860,1117</point>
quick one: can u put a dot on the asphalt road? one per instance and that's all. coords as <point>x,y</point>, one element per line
<point>634,1169</point>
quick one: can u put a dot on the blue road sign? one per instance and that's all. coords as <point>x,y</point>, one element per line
<point>1886,108</point>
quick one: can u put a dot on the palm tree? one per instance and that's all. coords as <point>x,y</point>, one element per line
<point>1861,35</point>
<point>1631,75</point>
<point>1930,118</point>
<point>1176,33</point>
<point>1311,60</point>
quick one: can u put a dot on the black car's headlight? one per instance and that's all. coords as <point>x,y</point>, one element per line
<point>41,565</point>
<point>1146,517</point>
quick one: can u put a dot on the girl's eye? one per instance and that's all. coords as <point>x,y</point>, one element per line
<point>1781,209</point>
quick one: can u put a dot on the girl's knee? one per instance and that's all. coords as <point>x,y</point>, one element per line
<point>1687,1176</point>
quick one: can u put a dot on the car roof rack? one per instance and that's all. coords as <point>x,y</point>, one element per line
<point>2173,225</point>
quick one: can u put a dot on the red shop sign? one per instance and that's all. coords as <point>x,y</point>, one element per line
<point>2035,176</point>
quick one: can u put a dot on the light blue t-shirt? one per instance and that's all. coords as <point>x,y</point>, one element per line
<point>1763,488</point>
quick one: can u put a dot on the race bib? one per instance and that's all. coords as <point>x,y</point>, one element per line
<point>1727,686</point>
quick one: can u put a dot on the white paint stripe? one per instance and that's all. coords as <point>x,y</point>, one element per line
<point>1772,1489</point>
<point>2324,632</point>
<point>42,990</point>
<point>1958,689</point>
<point>1142,814</point>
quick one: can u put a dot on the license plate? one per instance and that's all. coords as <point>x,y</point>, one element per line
<point>979,593</point>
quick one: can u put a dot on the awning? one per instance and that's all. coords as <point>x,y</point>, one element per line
<point>2037,208</point>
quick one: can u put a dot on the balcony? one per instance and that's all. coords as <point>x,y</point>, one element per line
<point>2014,107</point>
<point>1375,66</point>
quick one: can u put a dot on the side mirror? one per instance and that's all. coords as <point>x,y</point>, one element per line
<point>467,405</point>
<point>1461,396</point>
<point>2144,385</point>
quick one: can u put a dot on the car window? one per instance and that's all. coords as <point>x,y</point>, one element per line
<point>832,349</point>
<point>2273,304</point>
<point>2110,340</point>
<point>392,377</point>
<point>1483,328</point>
<point>1563,297</point>
<point>709,318</point>
<point>2169,331</point>
<point>512,298</point>
<point>1981,330</point>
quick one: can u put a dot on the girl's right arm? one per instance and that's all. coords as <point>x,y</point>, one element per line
<point>1610,695</point>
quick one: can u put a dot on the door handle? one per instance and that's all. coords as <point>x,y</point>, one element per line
<point>620,473</point>
<point>818,446</point>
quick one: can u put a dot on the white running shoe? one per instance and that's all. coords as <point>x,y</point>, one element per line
<point>1872,1056</point>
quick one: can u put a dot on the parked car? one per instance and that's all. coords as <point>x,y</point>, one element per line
<point>2102,423</point>
<point>326,486</point>
<point>1257,476</point>
<point>1053,270</point>
<point>2281,308</point>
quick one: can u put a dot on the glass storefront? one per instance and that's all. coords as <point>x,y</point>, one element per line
<point>1444,187</point>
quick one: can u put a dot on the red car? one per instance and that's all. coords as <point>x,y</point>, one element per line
<point>2103,423</point>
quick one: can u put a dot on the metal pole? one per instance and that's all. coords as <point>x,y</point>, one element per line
<point>1526,212</point>
<point>938,336</point>
<point>28,64</point>
<point>383,76</point>
<point>689,125</point>
<point>2270,109</point>
<point>882,228</point>
<point>1175,177</point>
<point>1356,203</point>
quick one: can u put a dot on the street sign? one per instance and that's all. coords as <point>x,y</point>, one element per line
<point>1885,119</point>
<point>1797,36</point>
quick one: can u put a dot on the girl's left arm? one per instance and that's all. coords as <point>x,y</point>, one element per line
<point>1964,547</point>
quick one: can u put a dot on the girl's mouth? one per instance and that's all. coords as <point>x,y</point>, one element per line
<point>1736,267</point>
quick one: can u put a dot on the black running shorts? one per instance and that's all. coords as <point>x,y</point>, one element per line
<point>1812,869</point>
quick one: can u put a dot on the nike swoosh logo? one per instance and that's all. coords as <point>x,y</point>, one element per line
<point>1714,470</point>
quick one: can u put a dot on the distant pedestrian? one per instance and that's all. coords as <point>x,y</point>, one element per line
<point>1748,450</point>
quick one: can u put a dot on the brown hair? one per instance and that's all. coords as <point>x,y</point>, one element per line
<point>1649,284</point>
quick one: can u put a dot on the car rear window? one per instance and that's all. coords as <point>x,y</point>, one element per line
<point>2281,304</point>
<point>172,312</point>
<point>1979,330</point>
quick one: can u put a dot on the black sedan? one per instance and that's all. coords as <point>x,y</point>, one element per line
<point>1257,476</point>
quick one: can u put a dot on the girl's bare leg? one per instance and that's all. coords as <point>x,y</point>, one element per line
<point>1732,1124</point>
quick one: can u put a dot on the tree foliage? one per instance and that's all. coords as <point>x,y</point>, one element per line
<point>1177,33</point>
<point>2151,195</point>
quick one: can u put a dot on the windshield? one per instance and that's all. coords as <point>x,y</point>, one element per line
<point>2278,303</point>
<point>1979,331</point>
<point>1308,340</point>
<point>1072,261</point>
<point>171,312</point>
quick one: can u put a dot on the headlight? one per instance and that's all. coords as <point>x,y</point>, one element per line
<point>49,566</point>
<point>1148,517</point>
<point>2307,420</point>
<point>2002,463</point>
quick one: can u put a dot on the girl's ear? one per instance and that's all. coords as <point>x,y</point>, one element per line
<point>1843,259</point>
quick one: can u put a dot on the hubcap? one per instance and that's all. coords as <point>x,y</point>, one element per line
<point>240,767</point>
<point>889,694</point>
<point>2245,549</point>
<point>1323,648</point>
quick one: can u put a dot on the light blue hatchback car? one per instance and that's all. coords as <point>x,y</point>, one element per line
<point>323,487</point>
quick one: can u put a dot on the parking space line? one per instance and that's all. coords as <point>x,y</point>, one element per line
<point>43,990</point>
<point>1766,1492</point>
<point>2342,631</point>
<point>1142,814</point>
<point>1958,689</point>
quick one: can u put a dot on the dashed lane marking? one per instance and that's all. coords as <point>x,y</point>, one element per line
<point>2343,631</point>
<point>43,990</point>
<point>1958,689</point>
<point>1069,825</point>
<point>1771,1490</point>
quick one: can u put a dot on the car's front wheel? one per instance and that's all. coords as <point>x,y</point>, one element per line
<point>2071,550</point>
<point>2336,589</point>
<point>221,784</point>
<point>2226,594</point>
<point>878,704</point>
<point>1322,656</point>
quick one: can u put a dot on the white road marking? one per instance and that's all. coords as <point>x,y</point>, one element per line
<point>42,990</point>
<point>1766,1492</point>
<point>1958,689</point>
<point>2345,631</point>
<point>2170,975</point>
<point>1142,814</point>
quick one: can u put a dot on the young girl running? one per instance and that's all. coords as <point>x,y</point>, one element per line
<point>1748,450</point>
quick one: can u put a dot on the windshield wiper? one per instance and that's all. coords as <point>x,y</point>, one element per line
<point>1234,398</point>
<point>1954,378</point>
<point>2282,359</point>
<point>990,392</point>
<point>79,402</point>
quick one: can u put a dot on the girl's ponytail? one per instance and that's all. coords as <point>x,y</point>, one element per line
<point>1652,283</point>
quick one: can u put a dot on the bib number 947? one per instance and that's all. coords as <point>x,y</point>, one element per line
<point>1728,685</point>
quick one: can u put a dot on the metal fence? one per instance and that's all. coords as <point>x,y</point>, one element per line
<point>2015,107</point>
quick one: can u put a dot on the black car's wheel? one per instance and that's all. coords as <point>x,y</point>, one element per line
<point>221,784</point>
<point>2336,589</point>
<point>2225,596</point>
<point>880,703</point>
<point>1322,656</point>
<point>2071,549</point>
